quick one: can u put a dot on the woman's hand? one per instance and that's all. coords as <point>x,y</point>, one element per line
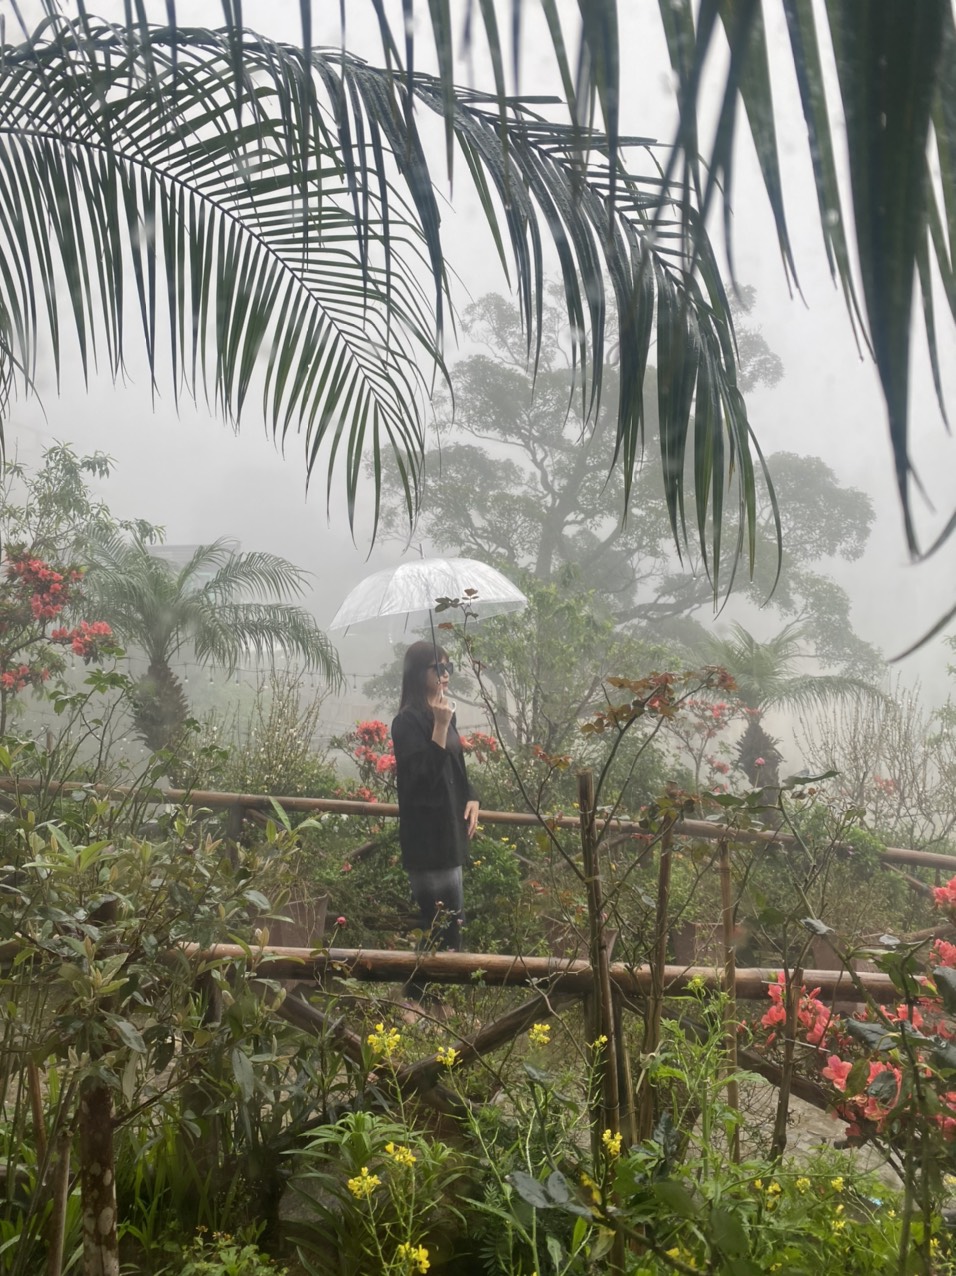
<point>442,712</point>
<point>471,817</point>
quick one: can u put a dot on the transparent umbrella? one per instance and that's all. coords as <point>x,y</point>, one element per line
<point>411,591</point>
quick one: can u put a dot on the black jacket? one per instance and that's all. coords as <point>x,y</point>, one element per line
<point>433,789</point>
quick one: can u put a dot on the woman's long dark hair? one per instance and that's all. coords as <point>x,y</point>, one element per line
<point>419,658</point>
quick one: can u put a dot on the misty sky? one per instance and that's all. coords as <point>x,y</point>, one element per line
<point>192,475</point>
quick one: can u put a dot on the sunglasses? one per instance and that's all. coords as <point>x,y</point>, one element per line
<point>444,667</point>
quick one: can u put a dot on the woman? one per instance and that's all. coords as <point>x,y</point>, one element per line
<point>437,806</point>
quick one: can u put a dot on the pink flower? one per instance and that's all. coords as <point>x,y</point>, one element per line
<point>837,1071</point>
<point>346,868</point>
<point>760,761</point>
<point>945,896</point>
<point>340,921</point>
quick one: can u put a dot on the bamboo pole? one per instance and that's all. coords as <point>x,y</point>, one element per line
<point>383,965</point>
<point>214,800</point>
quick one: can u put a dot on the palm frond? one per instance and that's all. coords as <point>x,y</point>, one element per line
<point>895,69</point>
<point>262,575</point>
<point>269,214</point>
<point>766,672</point>
<point>229,631</point>
<point>813,691</point>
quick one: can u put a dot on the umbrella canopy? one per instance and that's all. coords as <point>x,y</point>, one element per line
<point>412,589</point>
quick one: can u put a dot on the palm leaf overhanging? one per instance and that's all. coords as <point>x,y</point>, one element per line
<point>895,72</point>
<point>269,212</point>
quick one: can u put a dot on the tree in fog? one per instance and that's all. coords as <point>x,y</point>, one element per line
<point>518,482</point>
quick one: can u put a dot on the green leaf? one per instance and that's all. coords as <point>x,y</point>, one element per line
<point>129,1034</point>
<point>815,926</point>
<point>944,1055</point>
<point>728,1232</point>
<point>243,1073</point>
<point>529,1189</point>
<point>873,1035</point>
<point>883,1088</point>
<point>945,980</point>
<point>555,1252</point>
<point>676,1198</point>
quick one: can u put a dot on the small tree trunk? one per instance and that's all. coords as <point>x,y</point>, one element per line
<point>730,992</point>
<point>98,1180</point>
<point>61,1195</point>
<point>657,959</point>
<point>609,1109</point>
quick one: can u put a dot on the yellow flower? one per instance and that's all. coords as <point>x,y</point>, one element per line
<point>839,1224</point>
<point>612,1143</point>
<point>385,1041</point>
<point>447,1056</point>
<point>758,1184</point>
<point>364,1184</point>
<point>589,1183</point>
<point>837,1183</point>
<point>681,1256</point>
<point>400,1155</point>
<point>415,1257</point>
<point>802,1184</point>
<point>540,1034</point>
<point>774,1189</point>
<point>599,1041</point>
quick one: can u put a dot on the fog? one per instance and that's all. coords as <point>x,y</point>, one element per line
<point>189,472</point>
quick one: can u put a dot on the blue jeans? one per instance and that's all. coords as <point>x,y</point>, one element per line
<point>440,896</point>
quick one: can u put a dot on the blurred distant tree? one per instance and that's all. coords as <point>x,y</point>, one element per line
<point>53,509</point>
<point>222,605</point>
<point>517,482</point>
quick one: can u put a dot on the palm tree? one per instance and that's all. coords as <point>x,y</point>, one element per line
<point>269,212</point>
<point>767,677</point>
<point>205,607</point>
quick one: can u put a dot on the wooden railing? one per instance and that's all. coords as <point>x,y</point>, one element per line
<point>242,804</point>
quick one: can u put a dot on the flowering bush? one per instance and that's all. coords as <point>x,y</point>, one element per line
<point>370,747</point>
<point>32,594</point>
<point>891,1070</point>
